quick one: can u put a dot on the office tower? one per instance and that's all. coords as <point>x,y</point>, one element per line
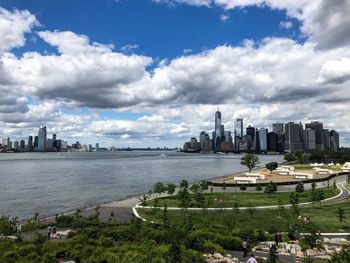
<point>22,146</point>
<point>293,140</point>
<point>15,145</point>
<point>278,128</point>
<point>54,137</point>
<point>309,139</point>
<point>250,132</point>
<point>97,147</point>
<point>36,139</point>
<point>263,139</point>
<point>42,139</point>
<point>272,142</point>
<point>318,128</point>
<point>204,141</point>
<point>334,140</point>
<point>218,129</point>
<point>49,144</point>
<point>6,142</point>
<point>326,139</point>
<point>228,137</point>
<point>239,128</point>
<point>30,143</point>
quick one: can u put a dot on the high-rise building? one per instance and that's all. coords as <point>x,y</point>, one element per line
<point>263,139</point>
<point>16,145</point>
<point>278,128</point>
<point>42,139</point>
<point>293,138</point>
<point>272,142</point>
<point>36,139</point>
<point>318,128</point>
<point>97,147</point>
<point>239,128</point>
<point>218,130</point>
<point>326,139</point>
<point>204,141</point>
<point>334,140</point>
<point>250,132</point>
<point>6,142</point>
<point>228,137</point>
<point>22,145</point>
<point>309,139</point>
<point>30,144</point>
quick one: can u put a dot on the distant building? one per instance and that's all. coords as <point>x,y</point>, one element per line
<point>239,128</point>
<point>6,142</point>
<point>30,146</point>
<point>334,140</point>
<point>22,146</point>
<point>278,128</point>
<point>263,140</point>
<point>318,128</point>
<point>272,142</point>
<point>293,138</point>
<point>326,139</point>
<point>42,139</point>
<point>36,139</point>
<point>204,141</point>
<point>218,128</point>
<point>16,145</point>
<point>250,131</point>
<point>309,139</point>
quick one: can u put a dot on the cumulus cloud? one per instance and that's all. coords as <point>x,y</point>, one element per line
<point>13,26</point>
<point>286,24</point>
<point>325,22</point>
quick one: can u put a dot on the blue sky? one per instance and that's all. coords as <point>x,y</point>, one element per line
<point>151,73</point>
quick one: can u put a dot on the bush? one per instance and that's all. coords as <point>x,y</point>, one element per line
<point>228,242</point>
<point>210,247</point>
<point>26,249</point>
<point>64,221</point>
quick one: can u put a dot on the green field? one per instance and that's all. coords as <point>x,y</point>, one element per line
<point>243,199</point>
<point>324,217</point>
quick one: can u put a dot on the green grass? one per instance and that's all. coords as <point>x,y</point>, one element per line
<point>243,199</point>
<point>305,167</point>
<point>324,217</point>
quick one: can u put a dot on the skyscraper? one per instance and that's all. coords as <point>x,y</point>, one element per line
<point>218,128</point>
<point>239,128</point>
<point>263,139</point>
<point>278,128</point>
<point>250,132</point>
<point>42,137</point>
<point>326,139</point>
<point>30,143</point>
<point>293,140</point>
<point>272,142</point>
<point>318,128</point>
<point>6,142</point>
<point>309,139</point>
<point>334,140</point>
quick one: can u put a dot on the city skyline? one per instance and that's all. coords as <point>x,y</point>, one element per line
<point>158,82</point>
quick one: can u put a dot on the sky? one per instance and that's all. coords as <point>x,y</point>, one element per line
<point>151,73</point>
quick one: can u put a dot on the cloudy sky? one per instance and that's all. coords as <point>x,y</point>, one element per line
<point>152,72</point>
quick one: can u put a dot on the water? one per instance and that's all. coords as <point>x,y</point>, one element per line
<point>50,183</point>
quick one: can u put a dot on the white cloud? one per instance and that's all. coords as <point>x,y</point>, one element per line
<point>13,26</point>
<point>286,24</point>
<point>224,18</point>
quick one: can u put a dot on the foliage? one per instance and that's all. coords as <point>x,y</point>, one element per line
<point>243,187</point>
<point>250,161</point>
<point>7,226</point>
<point>299,188</point>
<point>301,158</point>
<point>171,188</point>
<point>258,188</point>
<point>271,166</point>
<point>289,157</point>
<point>270,188</point>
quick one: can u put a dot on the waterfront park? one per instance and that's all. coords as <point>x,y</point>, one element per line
<point>297,211</point>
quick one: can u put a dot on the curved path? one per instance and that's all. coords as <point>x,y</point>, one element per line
<point>344,193</point>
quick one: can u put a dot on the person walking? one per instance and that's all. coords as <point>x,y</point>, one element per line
<point>48,230</point>
<point>252,259</point>
<point>245,248</point>
<point>54,230</point>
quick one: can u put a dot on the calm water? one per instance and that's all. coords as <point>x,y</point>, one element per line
<point>50,183</point>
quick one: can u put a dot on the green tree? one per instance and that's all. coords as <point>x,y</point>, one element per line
<point>289,157</point>
<point>299,188</point>
<point>271,166</point>
<point>183,194</point>
<point>243,187</point>
<point>294,201</point>
<point>273,257</point>
<point>270,188</point>
<point>158,188</point>
<point>250,210</point>
<point>7,226</point>
<point>204,186</point>
<point>258,188</point>
<point>171,188</point>
<point>280,207</point>
<point>301,158</point>
<point>249,160</point>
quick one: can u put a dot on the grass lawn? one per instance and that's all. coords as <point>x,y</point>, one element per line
<point>324,217</point>
<point>243,199</point>
<point>308,168</point>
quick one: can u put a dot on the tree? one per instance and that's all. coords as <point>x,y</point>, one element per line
<point>341,215</point>
<point>250,210</point>
<point>299,188</point>
<point>289,157</point>
<point>250,160</point>
<point>243,187</point>
<point>258,188</point>
<point>280,207</point>
<point>158,188</point>
<point>198,194</point>
<point>294,201</point>
<point>171,189</point>
<point>273,257</point>
<point>270,188</point>
<point>204,186</point>
<point>301,158</point>
<point>183,194</point>
<point>271,166</point>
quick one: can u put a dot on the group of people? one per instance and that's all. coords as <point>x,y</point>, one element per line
<point>51,231</point>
